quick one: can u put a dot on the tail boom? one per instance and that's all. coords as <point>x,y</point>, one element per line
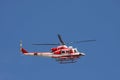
<point>43,54</point>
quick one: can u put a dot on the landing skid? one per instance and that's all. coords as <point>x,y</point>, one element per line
<point>64,62</point>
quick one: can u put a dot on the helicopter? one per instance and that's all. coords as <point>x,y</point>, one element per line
<point>62,53</point>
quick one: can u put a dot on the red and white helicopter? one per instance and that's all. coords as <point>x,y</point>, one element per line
<point>62,53</point>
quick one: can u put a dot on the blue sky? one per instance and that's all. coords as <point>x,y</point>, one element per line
<point>39,21</point>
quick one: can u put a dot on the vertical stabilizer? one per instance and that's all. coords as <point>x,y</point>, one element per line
<point>22,49</point>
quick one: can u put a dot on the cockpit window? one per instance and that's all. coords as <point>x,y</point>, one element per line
<point>75,51</point>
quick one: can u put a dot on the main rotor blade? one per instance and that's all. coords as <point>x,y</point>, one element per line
<point>86,41</point>
<point>45,44</point>
<point>60,39</point>
<point>81,41</point>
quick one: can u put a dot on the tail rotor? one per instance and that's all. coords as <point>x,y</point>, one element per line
<point>20,45</point>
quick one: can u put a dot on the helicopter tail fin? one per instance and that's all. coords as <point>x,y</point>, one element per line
<point>22,49</point>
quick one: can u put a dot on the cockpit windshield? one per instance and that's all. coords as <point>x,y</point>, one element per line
<point>75,50</point>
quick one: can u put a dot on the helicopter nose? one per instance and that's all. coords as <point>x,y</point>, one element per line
<point>83,54</point>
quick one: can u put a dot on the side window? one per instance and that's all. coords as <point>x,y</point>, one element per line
<point>62,52</point>
<point>67,52</point>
